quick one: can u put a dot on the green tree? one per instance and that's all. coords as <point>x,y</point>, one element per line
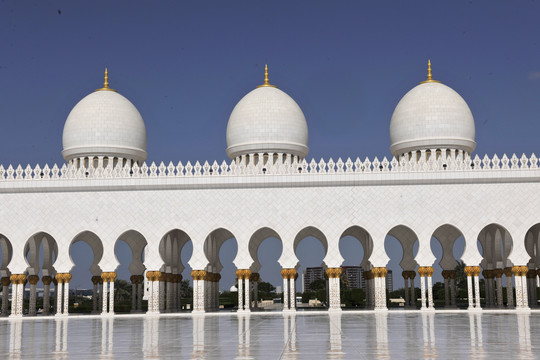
<point>122,291</point>
<point>318,285</point>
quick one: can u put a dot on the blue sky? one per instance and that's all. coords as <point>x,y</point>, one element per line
<point>185,64</point>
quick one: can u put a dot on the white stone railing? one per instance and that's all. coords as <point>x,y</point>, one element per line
<point>441,164</point>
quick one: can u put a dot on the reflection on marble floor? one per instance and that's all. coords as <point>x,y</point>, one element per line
<point>276,336</point>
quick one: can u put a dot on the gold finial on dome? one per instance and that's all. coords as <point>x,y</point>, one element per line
<point>266,81</point>
<point>429,76</point>
<point>106,82</point>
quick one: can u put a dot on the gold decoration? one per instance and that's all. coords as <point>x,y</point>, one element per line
<point>429,76</point>
<point>333,272</point>
<point>106,83</point>
<point>153,275</point>
<point>33,279</point>
<point>255,277</point>
<point>520,270</point>
<point>498,273</point>
<point>507,272</point>
<point>5,281</point>
<point>531,274</point>
<point>266,81</point>
<point>379,271</point>
<point>426,271</point>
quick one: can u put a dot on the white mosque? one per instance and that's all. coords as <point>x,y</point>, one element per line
<point>433,186</point>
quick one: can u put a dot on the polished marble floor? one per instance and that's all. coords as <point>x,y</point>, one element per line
<point>306,335</point>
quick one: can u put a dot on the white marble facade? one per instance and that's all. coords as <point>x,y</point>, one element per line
<point>157,208</point>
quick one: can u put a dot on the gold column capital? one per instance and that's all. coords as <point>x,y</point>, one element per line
<point>18,278</point>
<point>520,270</point>
<point>334,272</point>
<point>255,277</point>
<point>154,275</point>
<point>379,271</point>
<point>498,273</point>
<point>96,279</point>
<point>33,279</point>
<point>289,273</point>
<point>108,276</point>
<point>472,270</point>
<point>531,274</point>
<point>507,271</point>
<point>5,281</point>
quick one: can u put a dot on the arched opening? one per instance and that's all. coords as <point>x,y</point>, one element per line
<point>450,288</point>
<point>128,284</point>
<point>401,246</point>
<point>532,245</point>
<point>355,246</point>
<point>175,249</point>
<point>265,248</point>
<point>6,253</point>
<point>220,248</point>
<point>495,244</point>
<point>40,252</point>
<point>86,284</point>
<point>310,247</point>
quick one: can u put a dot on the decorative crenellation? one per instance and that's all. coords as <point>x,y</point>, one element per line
<point>333,273</point>
<point>272,164</point>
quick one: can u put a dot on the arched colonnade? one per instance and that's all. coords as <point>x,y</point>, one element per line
<point>46,262</point>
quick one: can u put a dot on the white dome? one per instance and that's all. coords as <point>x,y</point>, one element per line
<point>104,123</point>
<point>267,120</point>
<point>431,116</point>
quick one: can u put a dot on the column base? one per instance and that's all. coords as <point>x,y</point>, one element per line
<point>381,309</point>
<point>60,315</point>
<point>427,309</point>
<point>198,312</point>
<point>288,311</point>
<point>474,309</point>
<point>334,310</point>
<point>15,316</point>
<point>523,309</point>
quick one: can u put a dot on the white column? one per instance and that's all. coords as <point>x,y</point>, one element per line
<point>453,291</point>
<point>14,298</point>
<point>407,301</point>
<point>140,292</point>
<point>446,292</point>
<point>240,293</point>
<point>413,292</point>
<point>255,294</point>
<point>334,290</point>
<point>195,294</point>
<point>423,291</point>
<point>470,295</point>
<point>59,288</point>
<point>100,300</point>
<point>5,299</point>
<point>111,296</point>
<point>155,296</point>
<point>477,291</point>
<point>430,292</point>
<point>247,292</point>
<point>292,293</point>
<point>32,303</point>
<point>66,297</point>
<point>95,297</point>
<point>161,294</point>
<point>524,289</point>
<point>104,296</point>
<point>498,280</point>
<point>285,293</point>
<point>509,288</point>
